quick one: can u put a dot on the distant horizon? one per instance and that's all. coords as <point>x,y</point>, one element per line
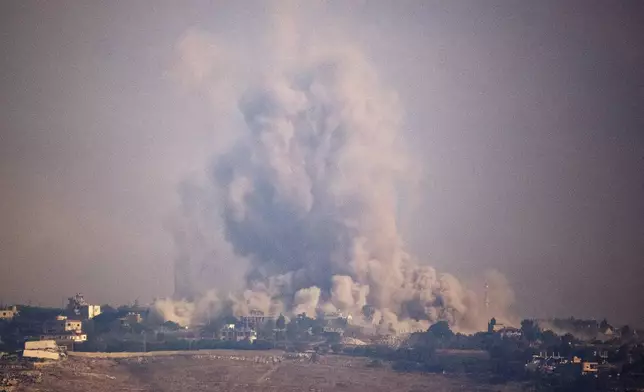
<point>545,318</point>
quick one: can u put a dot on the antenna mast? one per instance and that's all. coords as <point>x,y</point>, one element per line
<point>487,299</point>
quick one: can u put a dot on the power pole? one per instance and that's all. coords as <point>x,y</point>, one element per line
<point>487,300</point>
<point>144,341</point>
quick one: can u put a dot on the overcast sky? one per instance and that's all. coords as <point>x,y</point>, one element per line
<point>525,120</point>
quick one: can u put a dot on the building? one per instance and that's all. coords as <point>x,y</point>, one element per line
<point>336,322</point>
<point>510,333</point>
<point>79,308</point>
<point>62,325</point>
<point>8,313</point>
<point>63,338</point>
<point>545,362</point>
<point>338,317</point>
<point>130,319</point>
<point>589,367</point>
<point>89,311</point>
<point>333,330</point>
<point>235,333</point>
<point>254,320</point>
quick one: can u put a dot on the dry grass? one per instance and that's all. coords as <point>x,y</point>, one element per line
<point>225,370</point>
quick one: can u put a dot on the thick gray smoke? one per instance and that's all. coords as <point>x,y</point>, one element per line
<point>307,195</point>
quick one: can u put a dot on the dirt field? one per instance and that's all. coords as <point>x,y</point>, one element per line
<point>225,370</point>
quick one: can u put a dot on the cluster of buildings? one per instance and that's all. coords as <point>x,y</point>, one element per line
<point>336,322</point>
<point>554,362</point>
<point>246,329</point>
<point>254,325</point>
<point>67,329</point>
<point>237,333</point>
<point>505,331</point>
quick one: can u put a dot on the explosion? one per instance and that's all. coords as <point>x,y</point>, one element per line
<point>305,199</point>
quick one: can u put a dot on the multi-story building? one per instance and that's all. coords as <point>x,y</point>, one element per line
<point>78,307</point>
<point>62,325</point>
<point>255,319</point>
<point>63,331</point>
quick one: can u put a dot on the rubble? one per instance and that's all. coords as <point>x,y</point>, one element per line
<point>349,341</point>
<point>11,379</point>
<point>393,341</point>
<point>44,349</point>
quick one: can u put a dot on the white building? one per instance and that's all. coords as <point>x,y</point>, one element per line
<point>89,311</point>
<point>66,337</point>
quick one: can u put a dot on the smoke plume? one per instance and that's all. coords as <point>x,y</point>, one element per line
<point>305,199</point>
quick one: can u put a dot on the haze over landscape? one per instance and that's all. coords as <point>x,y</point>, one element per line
<point>141,139</point>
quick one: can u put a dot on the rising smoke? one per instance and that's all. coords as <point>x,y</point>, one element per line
<point>305,200</point>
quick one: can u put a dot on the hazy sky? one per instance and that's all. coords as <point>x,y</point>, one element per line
<point>526,121</point>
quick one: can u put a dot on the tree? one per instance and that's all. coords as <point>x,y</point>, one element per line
<point>567,344</point>
<point>266,330</point>
<point>107,309</point>
<point>550,340</point>
<point>292,330</point>
<point>281,322</point>
<point>626,332</point>
<point>102,323</point>
<point>441,330</point>
<point>530,330</point>
<point>317,329</point>
<point>368,311</point>
<point>171,325</point>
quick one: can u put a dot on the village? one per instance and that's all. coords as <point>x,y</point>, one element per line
<point>580,352</point>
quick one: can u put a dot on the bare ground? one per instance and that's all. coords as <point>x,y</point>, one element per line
<point>225,370</point>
